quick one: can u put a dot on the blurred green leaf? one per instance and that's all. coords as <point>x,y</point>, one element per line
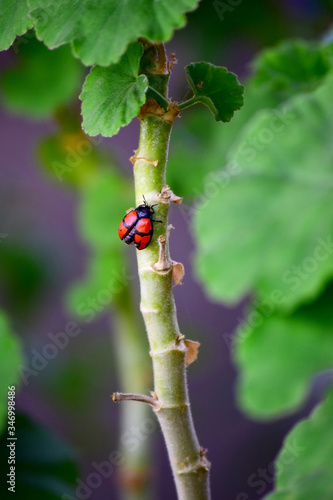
<point>104,203</point>
<point>69,157</point>
<point>74,387</point>
<point>192,137</point>
<point>10,360</point>
<point>271,225</point>
<point>22,279</point>
<point>14,20</point>
<point>217,88</point>
<point>198,146</point>
<point>111,97</point>
<point>44,466</point>
<point>106,276</point>
<point>304,466</point>
<point>278,359</point>
<point>290,67</point>
<point>101,35</point>
<point>42,80</point>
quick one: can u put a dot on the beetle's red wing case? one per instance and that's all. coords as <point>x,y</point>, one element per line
<point>127,223</point>
<point>141,242</point>
<point>144,226</point>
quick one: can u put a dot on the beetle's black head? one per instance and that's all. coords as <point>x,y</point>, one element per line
<point>145,210</point>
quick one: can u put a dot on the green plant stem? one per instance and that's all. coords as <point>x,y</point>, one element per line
<point>158,97</point>
<point>167,348</point>
<point>134,374</point>
<point>187,104</point>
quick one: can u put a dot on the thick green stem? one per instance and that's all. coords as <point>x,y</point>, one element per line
<point>167,348</point>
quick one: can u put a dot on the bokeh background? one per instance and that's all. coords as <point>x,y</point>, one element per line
<point>44,253</point>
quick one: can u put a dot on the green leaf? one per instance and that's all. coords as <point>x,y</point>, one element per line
<point>217,88</point>
<point>290,67</point>
<point>45,468</point>
<point>42,81</point>
<point>111,97</point>
<point>278,359</point>
<point>100,34</point>
<point>269,227</point>
<point>304,466</point>
<point>14,20</point>
<point>10,360</point>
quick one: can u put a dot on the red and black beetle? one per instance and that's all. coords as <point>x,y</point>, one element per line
<point>136,228</point>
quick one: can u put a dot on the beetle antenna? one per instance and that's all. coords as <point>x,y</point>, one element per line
<point>144,199</point>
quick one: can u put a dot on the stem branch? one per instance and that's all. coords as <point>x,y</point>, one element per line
<point>152,401</point>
